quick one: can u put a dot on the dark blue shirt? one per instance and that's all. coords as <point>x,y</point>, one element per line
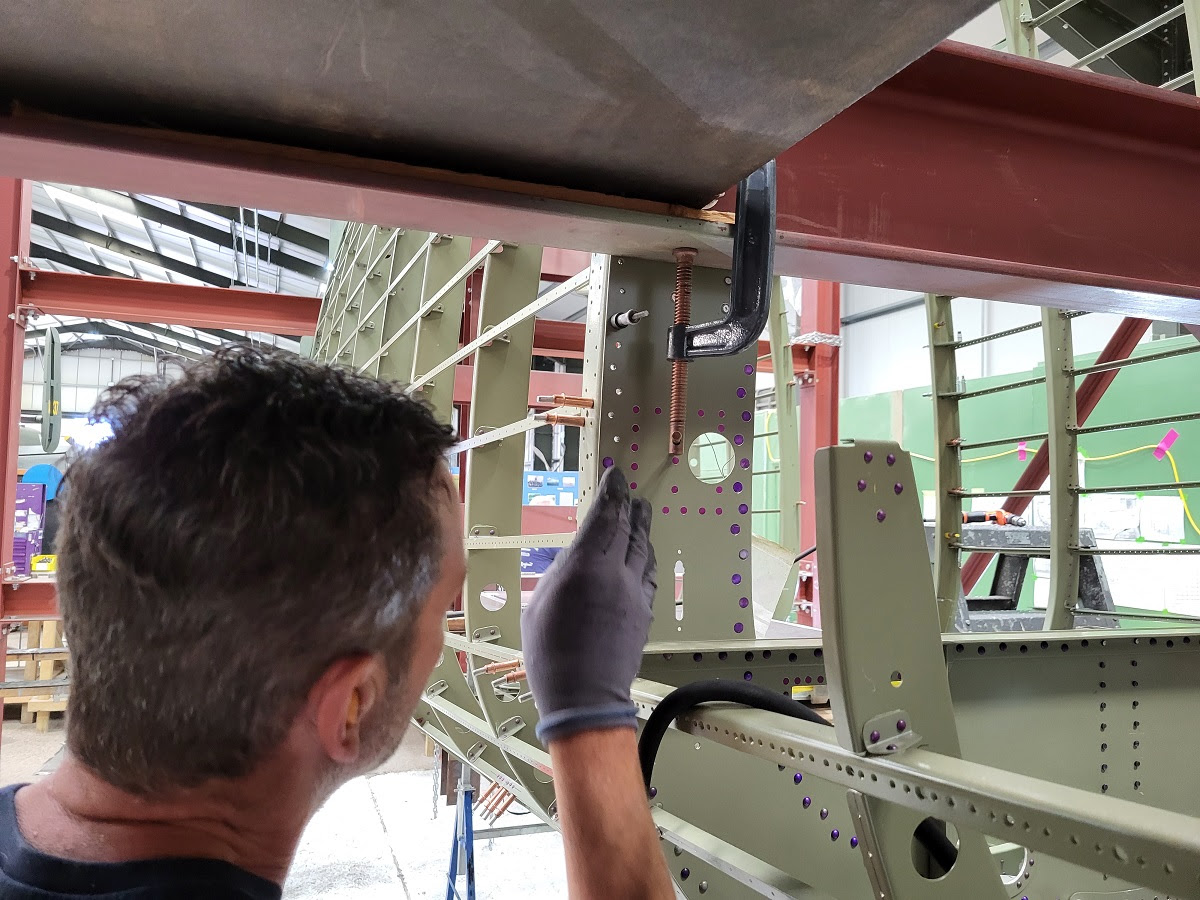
<point>29,874</point>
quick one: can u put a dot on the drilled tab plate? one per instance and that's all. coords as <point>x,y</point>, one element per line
<point>701,528</point>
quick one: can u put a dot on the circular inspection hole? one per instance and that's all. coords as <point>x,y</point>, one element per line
<point>897,679</point>
<point>929,848</point>
<point>493,597</point>
<point>711,458</point>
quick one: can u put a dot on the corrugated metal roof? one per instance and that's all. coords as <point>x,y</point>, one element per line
<point>112,233</point>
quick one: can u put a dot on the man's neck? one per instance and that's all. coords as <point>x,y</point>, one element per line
<point>76,815</point>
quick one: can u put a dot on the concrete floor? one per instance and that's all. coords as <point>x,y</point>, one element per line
<point>382,837</point>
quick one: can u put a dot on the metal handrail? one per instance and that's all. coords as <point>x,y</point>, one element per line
<point>1138,488</point>
<point>472,264</point>
<point>964,493</point>
<point>1139,32</point>
<point>996,442</point>
<point>344,267</point>
<point>499,433</point>
<point>389,244</point>
<point>1008,332</point>
<point>1053,13</point>
<point>495,331</point>
<point>980,392</point>
<point>1133,360</point>
<point>1175,83</point>
<point>1138,423</point>
<point>416,258</point>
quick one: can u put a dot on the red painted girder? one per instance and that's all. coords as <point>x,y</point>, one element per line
<point>33,599</point>
<point>980,174</point>
<point>971,173</point>
<point>15,204</point>
<point>817,410</point>
<point>559,265</point>
<point>15,199</point>
<point>541,384</point>
<point>133,300</point>
<point>1087,396</point>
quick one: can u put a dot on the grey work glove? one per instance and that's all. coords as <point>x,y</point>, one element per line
<point>584,631</point>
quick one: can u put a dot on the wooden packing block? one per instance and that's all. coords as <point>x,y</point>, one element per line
<point>41,708</point>
<point>39,653</point>
<point>34,688</point>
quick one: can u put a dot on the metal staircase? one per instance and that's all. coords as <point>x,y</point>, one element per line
<point>1151,41</point>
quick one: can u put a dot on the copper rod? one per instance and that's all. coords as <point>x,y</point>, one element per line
<point>503,808</point>
<point>684,257</point>
<point>496,800</point>
<point>559,419</point>
<point>497,667</point>
<point>569,400</point>
<point>482,797</point>
<point>513,677</point>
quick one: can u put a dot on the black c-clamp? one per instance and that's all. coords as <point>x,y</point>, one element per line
<point>750,294</point>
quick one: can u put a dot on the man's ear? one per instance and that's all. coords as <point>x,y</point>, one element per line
<point>341,699</point>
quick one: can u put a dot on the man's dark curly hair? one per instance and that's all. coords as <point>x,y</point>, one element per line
<point>247,524</point>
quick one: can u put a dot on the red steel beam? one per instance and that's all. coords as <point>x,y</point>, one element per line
<point>979,174</point>
<point>817,401</point>
<point>565,340</point>
<point>15,201</point>
<point>970,173</point>
<point>541,384</point>
<point>559,339</point>
<point>1087,396</point>
<point>559,265</point>
<point>15,204</point>
<point>129,299</point>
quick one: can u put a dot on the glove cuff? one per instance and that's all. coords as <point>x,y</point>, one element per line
<point>566,722</point>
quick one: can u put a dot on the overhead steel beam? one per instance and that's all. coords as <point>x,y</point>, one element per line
<point>59,293</point>
<point>979,174</point>
<point>41,251</point>
<point>270,225</point>
<point>229,336</point>
<point>135,206</point>
<point>133,251</point>
<point>971,173</point>
<point>130,338</point>
<point>181,337</point>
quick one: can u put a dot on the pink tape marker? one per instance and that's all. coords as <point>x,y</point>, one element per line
<point>1165,444</point>
<point>1021,451</point>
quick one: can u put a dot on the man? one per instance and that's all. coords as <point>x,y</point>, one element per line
<point>254,573</point>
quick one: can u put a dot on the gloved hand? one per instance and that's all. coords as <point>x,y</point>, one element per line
<point>584,631</point>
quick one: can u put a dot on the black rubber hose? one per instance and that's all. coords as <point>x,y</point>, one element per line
<point>809,552</point>
<point>716,690</point>
<point>720,690</point>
